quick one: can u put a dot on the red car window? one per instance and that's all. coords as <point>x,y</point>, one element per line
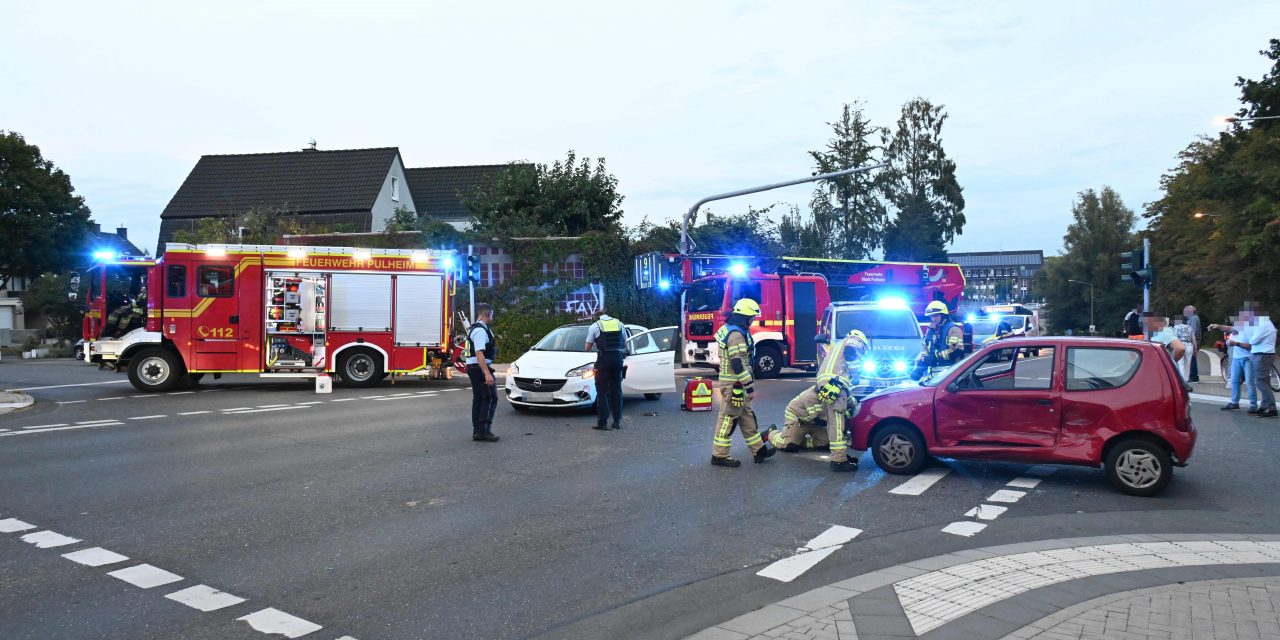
<point>1009,369</point>
<point>1091,368</point>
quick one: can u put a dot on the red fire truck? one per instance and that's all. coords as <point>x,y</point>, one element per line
<point>792,292</point>
<point>280,311</point>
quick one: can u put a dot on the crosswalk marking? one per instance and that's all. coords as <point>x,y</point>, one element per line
<point>815,551</point>
<point>921,482</point>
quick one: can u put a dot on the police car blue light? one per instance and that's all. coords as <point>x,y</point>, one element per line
<point>738,269</point>
<point>104,255</point>
<point>868,366</point>
<point>664,284</point>
<point>899,366</point>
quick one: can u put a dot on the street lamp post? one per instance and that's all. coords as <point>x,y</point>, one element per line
<point>1092,324</point>
<point>1200,215</point>
<point>1236,119</point>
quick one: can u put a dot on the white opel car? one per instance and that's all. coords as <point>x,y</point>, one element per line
<point>559,371</point>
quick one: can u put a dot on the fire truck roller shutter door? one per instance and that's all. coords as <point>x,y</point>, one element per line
<point>360,302</point>
<point>419,310</point>
<point>803,297</point>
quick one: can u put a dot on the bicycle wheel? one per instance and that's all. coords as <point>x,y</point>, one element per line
<point>1274,379</point>
<point>1224,363</point>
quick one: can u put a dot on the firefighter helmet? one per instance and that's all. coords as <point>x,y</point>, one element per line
<point>936,307</point>
<point>856,343</point>
<point>830,392</point>
<point>747,307</point>
<point>858,336</point>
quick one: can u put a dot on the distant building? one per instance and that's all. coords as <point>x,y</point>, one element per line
<point>351,189</point>
<point>999,276</point>
<point>441,192</point>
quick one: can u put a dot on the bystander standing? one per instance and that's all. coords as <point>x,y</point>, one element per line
<point>1241,373</point>
<point>1197,333</point>
<point>1261,342</point>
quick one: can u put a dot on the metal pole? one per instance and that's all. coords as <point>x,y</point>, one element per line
<point>1146,286</point>
<point>1092,323</point>
<point>471,285</point>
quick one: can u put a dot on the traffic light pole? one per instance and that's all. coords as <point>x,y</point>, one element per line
<point>471,284</point>
<point>1146,285</point>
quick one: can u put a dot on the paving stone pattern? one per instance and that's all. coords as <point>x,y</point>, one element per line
<point>1207,610</point>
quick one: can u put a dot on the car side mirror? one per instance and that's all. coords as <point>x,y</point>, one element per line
<point>952,387</point>
<point>822,338</point>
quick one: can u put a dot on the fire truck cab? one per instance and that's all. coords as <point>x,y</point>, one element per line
<point>279,311</point>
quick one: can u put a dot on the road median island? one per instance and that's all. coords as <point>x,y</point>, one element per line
<point>14,401</point>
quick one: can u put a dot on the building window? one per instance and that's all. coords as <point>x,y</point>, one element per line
<point>395,188</point>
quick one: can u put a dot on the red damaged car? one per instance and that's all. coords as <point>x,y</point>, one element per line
<point>1083,401</point>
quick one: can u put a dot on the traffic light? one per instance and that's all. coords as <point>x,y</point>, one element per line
<point>1133,270</point>
<point>473,269</point>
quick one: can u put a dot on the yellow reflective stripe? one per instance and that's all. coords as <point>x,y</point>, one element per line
<point>753,439</point>
<point>788,415</point>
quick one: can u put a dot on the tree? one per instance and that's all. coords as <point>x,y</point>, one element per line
<point>1102,228</point>
<point>44,221</point>
<point>800,235</point>
<point>920,184</point>
<point>1221,260</point>
<point>47,296</point>
<point>260,224</point>
<point>567,198</point>
<point>848,212</point>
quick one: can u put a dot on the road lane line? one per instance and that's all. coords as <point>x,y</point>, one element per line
<point>82,426</point>
<point>836,535</point>
<point>145,576</point>
<point>394,395</point>
<point>284,408</point>
<point>204,598</point>
<point>14,525</point>
<point>147,417</point>
<point>95,557</point>
<point>46,426</point>
<point>62,386</point>
<point>921,482</point>
<point>1007,496</point>
<point>964,528</point>
<point>97,421</point>
<point>192,413</point>
<point>1024,483</point>
<point>342,399</point>
<point>986,512</point>
<point>113,398</point>
<point>273,406</point>
<point>411,396</point>
<point>71,401</point>
<point>238,409</point>
<point>788,569</point>
<point>178,393</point>
<point>371,397</point>
<point>312,402</point>
<point>271,620</point>
<point>48,539</point>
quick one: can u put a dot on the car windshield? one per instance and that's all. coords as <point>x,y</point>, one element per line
<point>707,295</point>
<point>939,375</point>
<point>564,339</point>
<point>1016,322</point>
<point>983,327</point>
<point>878,323</point>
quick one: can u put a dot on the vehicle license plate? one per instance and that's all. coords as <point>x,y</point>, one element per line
<point>537,397</point>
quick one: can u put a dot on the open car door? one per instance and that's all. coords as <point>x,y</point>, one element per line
<point>650,362</point>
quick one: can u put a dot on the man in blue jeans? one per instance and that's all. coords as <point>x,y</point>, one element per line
<point>1241,369</point>
<point>1260,339</point>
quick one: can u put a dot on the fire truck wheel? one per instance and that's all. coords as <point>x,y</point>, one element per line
<point>768,361</point>
<point>155,369</point>
<point>360,368</point>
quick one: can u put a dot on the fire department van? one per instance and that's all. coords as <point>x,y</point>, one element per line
<point>279,311</point>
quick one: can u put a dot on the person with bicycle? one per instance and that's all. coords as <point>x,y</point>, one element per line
<point>1238,368</point>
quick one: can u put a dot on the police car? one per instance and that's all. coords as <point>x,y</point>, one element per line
<point>895,340</point>
<point>559,371</point>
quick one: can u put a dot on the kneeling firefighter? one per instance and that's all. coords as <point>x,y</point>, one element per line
<point>819,413</point>
<point>737,387</point>
<point>943,344</point>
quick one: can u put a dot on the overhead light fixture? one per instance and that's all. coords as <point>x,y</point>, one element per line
<point>363,254</point>
<point>421,256</point>
<point>297,253</point>
<point>216,252</point>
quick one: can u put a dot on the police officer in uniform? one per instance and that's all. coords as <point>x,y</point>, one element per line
<point>608,336</point>
<point>482,350</point>
<point>737,387</point>
<point>943,344</point>
<point>819,413</point>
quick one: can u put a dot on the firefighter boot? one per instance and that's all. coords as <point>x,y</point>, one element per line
<point>847,465</point>
<point>764,453</point>
<point>726,461</point>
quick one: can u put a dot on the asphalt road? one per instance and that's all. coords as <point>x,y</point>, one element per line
<point>373,514</point>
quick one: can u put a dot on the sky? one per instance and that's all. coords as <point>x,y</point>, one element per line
<point>682,99</point>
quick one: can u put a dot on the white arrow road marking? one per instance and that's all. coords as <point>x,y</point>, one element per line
<point>204,598</point>
<point>14,525</point>
<point>48,539</point>
<point>275,621</point>
<point>986,512</point>
<point>145,576</point>
<point>95,557</point>
<point>964,528</point>
<point>1006,495</point>
<point>921,481</point>
<point>825,544</point>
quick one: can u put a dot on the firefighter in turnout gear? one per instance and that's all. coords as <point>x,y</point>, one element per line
<point>127,317</point>
<point>737,387</point>
<point>1003,330</point>
<point>818,412</point>
<point>943,344</point>
<point>845,350</point>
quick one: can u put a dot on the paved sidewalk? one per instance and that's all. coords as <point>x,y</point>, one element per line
<point>1211,586</point>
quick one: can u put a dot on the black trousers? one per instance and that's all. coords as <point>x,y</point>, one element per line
<point>609,386</point>
<point>484,401</point>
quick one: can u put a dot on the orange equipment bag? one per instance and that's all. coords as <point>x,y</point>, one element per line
<point>697,395</point>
